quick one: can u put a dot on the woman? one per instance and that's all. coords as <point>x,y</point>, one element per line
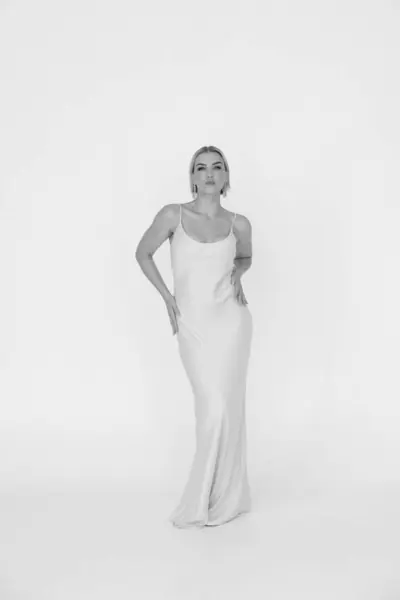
<point>210,249</point>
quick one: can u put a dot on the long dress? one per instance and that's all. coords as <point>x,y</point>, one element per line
<point>214,339</point>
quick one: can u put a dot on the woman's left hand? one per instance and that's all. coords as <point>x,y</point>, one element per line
<point>237,284</point>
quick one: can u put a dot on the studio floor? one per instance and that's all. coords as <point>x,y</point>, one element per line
<point>110,541</point>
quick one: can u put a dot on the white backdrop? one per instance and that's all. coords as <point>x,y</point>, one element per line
<point>102,106</point>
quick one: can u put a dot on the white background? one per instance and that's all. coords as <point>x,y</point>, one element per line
<point>101,109</point>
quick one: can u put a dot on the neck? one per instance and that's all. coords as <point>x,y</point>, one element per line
<point>208,205</point>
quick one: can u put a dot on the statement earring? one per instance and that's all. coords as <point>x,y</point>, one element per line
<point>194,190</point>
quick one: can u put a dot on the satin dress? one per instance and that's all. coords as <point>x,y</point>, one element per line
<point>214,340</point>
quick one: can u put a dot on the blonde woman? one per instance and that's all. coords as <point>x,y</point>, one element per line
<point>210,249</point>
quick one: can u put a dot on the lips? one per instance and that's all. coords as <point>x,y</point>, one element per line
<point>209,183</point>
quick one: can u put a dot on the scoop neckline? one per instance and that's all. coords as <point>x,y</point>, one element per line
<point>206,243</point>
<point>198,241</point>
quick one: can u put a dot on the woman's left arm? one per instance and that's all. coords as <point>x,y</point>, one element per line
<point>244,252</point>
<point>243,257</point>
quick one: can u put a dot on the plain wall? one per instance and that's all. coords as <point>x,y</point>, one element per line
<point>101,109</point>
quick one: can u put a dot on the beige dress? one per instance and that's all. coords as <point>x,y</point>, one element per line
<point>214,340</point>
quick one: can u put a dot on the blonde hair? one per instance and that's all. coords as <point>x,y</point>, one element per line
<point>227,185</point>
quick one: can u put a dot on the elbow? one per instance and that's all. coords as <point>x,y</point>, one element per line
<point>139,256</point>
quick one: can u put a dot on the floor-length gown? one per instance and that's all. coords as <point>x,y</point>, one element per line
<point>214,340</point>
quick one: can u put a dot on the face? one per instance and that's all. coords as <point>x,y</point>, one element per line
<point>209,173</point>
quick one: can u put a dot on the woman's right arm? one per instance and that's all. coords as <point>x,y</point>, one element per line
<point>159,231</point>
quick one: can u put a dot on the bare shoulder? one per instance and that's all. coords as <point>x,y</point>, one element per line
<point>167,211</point>
<point>243,225</point>
<point>162,227</point>
<point>167,217</point>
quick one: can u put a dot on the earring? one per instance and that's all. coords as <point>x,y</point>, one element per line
<point>194,190</point>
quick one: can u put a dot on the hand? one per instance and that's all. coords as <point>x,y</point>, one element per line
<point>173,312</point>
<point>237,284</point>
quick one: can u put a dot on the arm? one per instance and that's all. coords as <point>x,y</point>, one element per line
<point>158,232</point>
<point>244,252</point>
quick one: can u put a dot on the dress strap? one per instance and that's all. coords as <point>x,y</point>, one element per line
<point>180,214</point>
<point>233,220</point>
